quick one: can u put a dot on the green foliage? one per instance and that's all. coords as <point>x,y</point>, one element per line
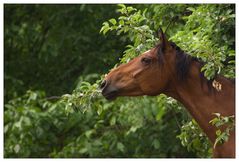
<point>36,127</point>
<point>82,98</point>
<point>194,139</point>
<point>26,121</point>
<point>223,133</point>
<point>209,34</point>
<point>59,49</point>
<point>135,25</point>
<point>48,47</point>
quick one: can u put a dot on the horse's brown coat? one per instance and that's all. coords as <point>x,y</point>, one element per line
<point>145,75</point>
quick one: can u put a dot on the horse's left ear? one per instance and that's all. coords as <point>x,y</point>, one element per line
<point>163,40</point>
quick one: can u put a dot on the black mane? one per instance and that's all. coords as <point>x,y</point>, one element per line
<point>183,60</point>
<point>183,63</point>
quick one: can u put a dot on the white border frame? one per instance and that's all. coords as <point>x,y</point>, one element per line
<point>105,2</point>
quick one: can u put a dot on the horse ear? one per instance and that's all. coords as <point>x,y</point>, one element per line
<point>163,39</point>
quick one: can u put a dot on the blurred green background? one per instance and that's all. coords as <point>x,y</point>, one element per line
<point>55,55</point>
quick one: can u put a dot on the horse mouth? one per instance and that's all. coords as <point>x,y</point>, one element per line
<point>111,95</point>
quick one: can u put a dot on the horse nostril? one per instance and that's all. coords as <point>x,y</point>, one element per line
<point>103,84</point>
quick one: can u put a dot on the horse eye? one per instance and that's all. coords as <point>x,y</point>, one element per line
<point>146,60</point>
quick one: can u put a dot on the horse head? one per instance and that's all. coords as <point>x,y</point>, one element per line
<point>147,74</point>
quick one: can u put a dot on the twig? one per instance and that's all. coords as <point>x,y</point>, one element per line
<point>53,98</point>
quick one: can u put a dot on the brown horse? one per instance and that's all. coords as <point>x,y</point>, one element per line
<point>167,69</point>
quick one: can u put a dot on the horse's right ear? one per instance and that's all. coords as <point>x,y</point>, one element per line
<point>163,39</point>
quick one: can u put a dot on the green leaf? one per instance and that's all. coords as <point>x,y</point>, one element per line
<point>105,28</point>
<point>130,9</point>
<point>6,127</point>
<point>122,5</point>
<point>113,120</point>
<point>120,146</point>
<point>191,9</point>
<point>218,132</point>
<point>121,22</point>
<point>156,144</point>
<point>89,133</point>
<point>17,148</point>
<point>197,143</point>
<point>83,150</point>
<point>99,110</point>
<point>113,21</point>
<point>160,114</point>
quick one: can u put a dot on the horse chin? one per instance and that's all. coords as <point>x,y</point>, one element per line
<point>117,92</point>
<point>111,98</point>
<point>153,94</point>
<point>111,95</point>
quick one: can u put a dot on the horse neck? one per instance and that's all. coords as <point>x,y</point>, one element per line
<point>201,101</point>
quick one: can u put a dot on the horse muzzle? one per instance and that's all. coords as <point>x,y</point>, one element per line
<point>109,91</point>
